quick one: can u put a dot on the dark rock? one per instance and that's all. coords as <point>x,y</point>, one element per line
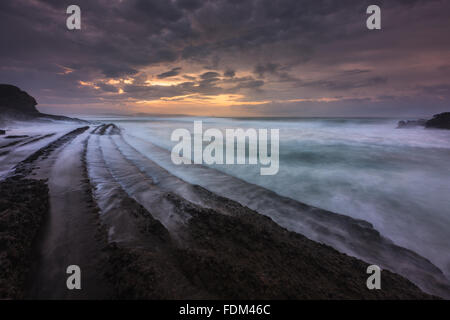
<point>23,206</point>
<point>14,99</point>
<point>2,132</point>
<point>411,123</point>
<point>439,121</point>
<point>16,104</point>
<point>236,253</point>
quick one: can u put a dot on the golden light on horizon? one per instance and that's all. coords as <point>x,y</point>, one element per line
<point>163,83</point>
<point>113,81</point>
<point>223,100</point>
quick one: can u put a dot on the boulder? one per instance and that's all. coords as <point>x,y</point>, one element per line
<point>2,132</point>
<point>439,121</point>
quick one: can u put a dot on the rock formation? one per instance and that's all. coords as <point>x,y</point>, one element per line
<point>16,104</point>
<point>411,123</point>
<point>439,121</point>
<point>14,100</point>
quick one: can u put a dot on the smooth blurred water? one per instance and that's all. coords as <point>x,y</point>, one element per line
<point>397,179</point>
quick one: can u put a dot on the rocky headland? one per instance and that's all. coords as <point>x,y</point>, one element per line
<point>18,105</point>
<point>439,121</point>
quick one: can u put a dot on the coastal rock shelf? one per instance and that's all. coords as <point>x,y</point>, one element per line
<point>217,248</point>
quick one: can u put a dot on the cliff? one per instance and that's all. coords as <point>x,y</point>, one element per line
<point>16,104</point>
<point>14,100</point>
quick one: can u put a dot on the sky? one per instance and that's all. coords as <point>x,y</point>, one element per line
<point>289,58</point>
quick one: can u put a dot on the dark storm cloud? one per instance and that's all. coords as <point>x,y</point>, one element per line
<point>272,40</point>
<point>209,75</point>
<point>107,87</point>
<point>208,84</point>
<point>239,83</point>
<point>229,73</point>
<point>189,77</point>
<point>139,32</point>
<point>186,88</point>
<point>114,71</point>
<point>261,70</point>
<point>252,84</point>
<point>354,72</point>
<point>170,73</point>
<point>343,85</point>
<point>439,90</point>
<point>190,4</point>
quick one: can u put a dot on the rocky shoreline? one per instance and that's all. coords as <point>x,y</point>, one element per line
<point>23,207</point>
<point>231,252</point>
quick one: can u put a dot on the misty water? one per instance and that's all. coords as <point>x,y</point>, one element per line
<point>396,179</point>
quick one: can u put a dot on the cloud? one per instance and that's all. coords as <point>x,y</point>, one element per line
<point>209,75</point>
<point>343,84</point>
<point>107,87</point>
<point>261,69</point>
<point>229,73</point>
<point>190,5</point>
<point>171,73</point>
<point>263,49</point>
<point>439,90</point>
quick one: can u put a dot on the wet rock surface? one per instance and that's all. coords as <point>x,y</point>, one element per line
<point>16,137</point>
<point>439,121</point>
<point>109,129</point>
<point>246,256</point>
<point>23,206</point>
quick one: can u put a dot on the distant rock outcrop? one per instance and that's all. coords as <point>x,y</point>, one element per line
<point>411,123</point>
<point>14,100</point>
<point>439,121</point>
